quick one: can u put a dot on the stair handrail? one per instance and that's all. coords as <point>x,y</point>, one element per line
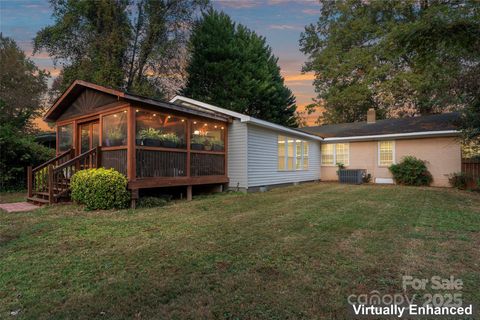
<point>32,186</point>
<point>61,155</point>
<point>75,159</point>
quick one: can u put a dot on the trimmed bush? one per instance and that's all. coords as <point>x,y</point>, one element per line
<point>411,172</point>
<point>100,189</point>
<point>458,180</point>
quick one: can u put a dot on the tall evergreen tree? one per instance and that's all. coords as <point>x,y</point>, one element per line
<point>233,67</point>
<point>403,57</point>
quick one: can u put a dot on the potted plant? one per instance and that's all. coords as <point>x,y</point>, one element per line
<point>207,145</point>
<point>218,145</point>
<point>115,137</point>
<point>169,140</point>
<point>197,143</point>
<point>138,139</point>
<point>340,166</point>
<point>151,137</point>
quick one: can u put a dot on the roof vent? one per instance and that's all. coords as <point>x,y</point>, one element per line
<point>371,115</point>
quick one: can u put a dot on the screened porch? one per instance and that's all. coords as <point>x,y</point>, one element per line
<point>152,147</point>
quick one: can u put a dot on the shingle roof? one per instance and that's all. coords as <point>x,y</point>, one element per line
<point>438,122</point>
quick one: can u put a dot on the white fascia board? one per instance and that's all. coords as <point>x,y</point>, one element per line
<point>277,127</point>
<point>425,134</point>
<point>207,106</point>
<point>247,119</point>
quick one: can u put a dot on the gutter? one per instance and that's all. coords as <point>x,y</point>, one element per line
<point>424,134</point>
<point>269,125</point>
<point>247,119</point>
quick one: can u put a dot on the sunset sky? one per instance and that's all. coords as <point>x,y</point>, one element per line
<point>280,21</point>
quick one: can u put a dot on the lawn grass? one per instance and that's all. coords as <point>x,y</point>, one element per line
<point>294,252</point>
<point>14,196</point>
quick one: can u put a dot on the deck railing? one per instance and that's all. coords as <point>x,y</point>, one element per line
<point>164,163</point>
<point>59,177</point>
<point>161,163</point>
<point>37,178</point>
<point>51,180</point>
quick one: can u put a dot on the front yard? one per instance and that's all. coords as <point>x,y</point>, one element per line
<point>294,252</point>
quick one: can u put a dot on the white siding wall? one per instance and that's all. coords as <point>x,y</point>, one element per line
<point>237,154</point>
<point>263,159</point>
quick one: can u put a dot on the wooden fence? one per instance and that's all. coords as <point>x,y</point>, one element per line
<point>471,168</point>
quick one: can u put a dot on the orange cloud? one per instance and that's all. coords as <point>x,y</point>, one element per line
<point>310,119</point>
<point>42,125</point>
<point>299,77</point>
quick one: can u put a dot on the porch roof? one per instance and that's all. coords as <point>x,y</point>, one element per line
<point>78,86</point>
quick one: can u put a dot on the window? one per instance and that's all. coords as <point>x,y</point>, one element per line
<point>342,153</point>
<point>298,153</point>
<point>386,153</point>
<point>281,153</point>
<point>328,154</point>
<point>160,130</point>
<point>65,137</point>
<point>305,155</point>
<point>292,154</point>
<point>335,153</point>
<point>114,131</point>
<point>208,136</point>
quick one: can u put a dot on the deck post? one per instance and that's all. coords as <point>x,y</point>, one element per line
<point>189,193</point>
<point>98,157</point>
<point>29,181</point>
<point>50,184</point>
<point>131,147</point>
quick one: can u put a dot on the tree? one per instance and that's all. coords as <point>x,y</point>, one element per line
<point>233,67</point>
<point>22,88</point>
<point>401,57</point>
<point>126,44</point>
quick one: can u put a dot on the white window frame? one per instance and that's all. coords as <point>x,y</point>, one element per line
<point>295,142</point>
<point>321,160</point>
<point>284,153</point>
<point>347,163</point>
<point>394,147</point>
<point>334,164</point>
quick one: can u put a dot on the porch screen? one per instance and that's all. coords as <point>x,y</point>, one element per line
<point>160,130</point>
<point>65,137</point>
<point>208,136</point>
<point>114,129</point>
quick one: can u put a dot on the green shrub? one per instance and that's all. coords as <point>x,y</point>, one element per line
<point>152,202</point>
<point>411,171</point>
<point>458,180</point>
<point>17,151</point>
<point>100,189</point>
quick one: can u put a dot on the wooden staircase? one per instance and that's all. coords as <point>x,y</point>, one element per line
<point>50,182</point>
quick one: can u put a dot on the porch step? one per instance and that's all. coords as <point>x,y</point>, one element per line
<point>37,200</point>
